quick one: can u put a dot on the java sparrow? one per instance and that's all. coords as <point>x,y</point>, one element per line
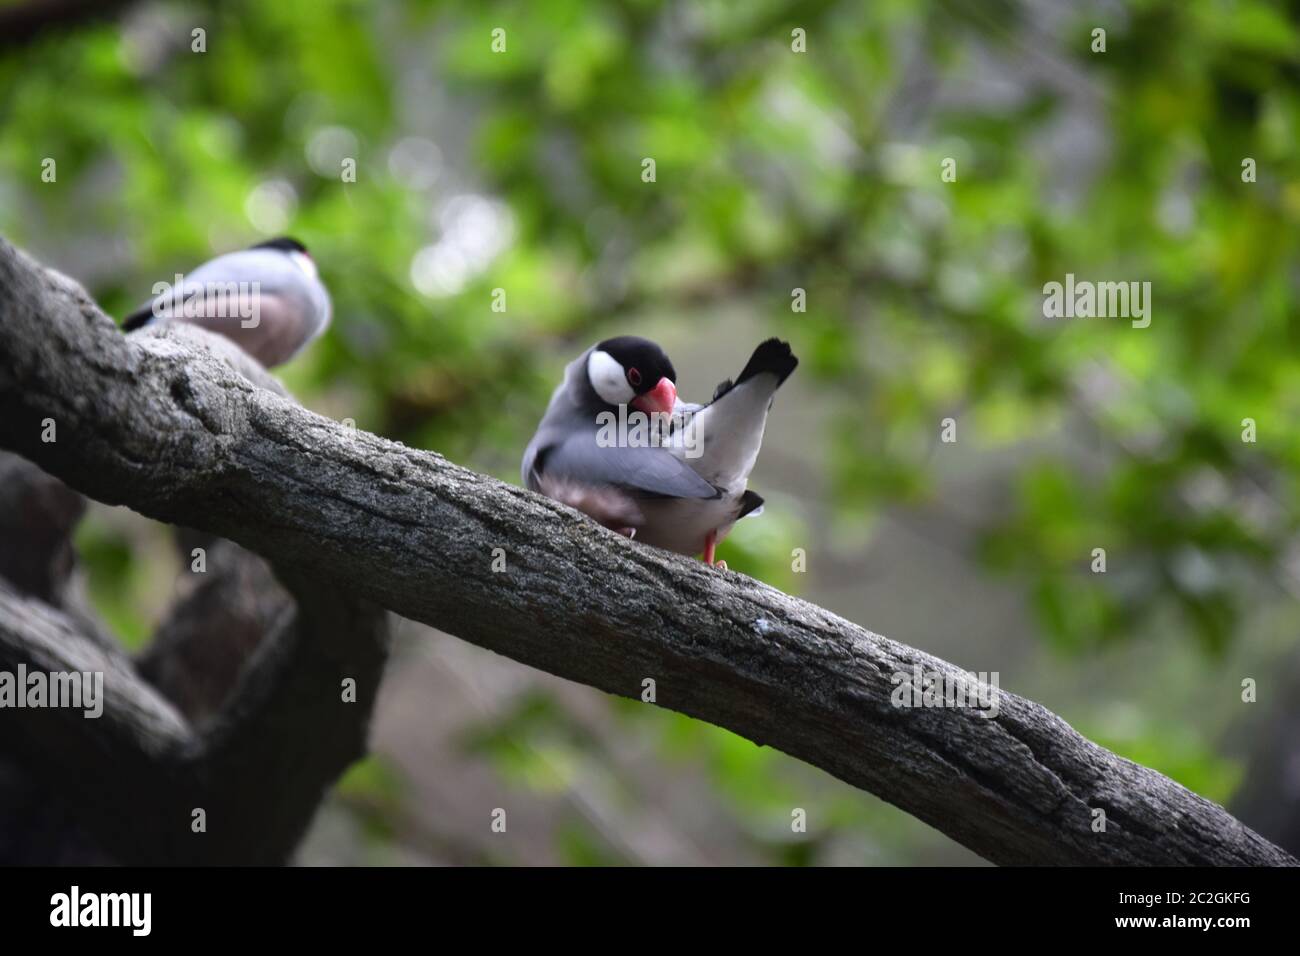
<point>672,492</point>
<point>267,299</point>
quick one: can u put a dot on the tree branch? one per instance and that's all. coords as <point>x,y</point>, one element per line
<point>212,629</point>
<point>165,424</point>
<point>37,516</point>
<point>248,671</point>
<point>136,774</point>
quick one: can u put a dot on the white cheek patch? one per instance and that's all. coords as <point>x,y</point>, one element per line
<point>305,263</point>
<point>608,378</point>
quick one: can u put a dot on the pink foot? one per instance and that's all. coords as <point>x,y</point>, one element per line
<point>710,546</point>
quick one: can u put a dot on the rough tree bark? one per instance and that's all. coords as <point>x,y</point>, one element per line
<point>168,426</point>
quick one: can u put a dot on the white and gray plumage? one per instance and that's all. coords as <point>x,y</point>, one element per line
<point>268,300</point>
<point>683,493</point>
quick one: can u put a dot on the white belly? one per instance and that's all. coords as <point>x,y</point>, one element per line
<point>682,524</point>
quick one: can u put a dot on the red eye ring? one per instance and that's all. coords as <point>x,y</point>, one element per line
<point>634,377</point>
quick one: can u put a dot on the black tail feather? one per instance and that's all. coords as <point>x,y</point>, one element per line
<point>771,356</point>
<point>749,503</point>
<point>137,319</point>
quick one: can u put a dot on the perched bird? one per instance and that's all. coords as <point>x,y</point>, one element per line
<point>267,299</point>
<point>678,484</point>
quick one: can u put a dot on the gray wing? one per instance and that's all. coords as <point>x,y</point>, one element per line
<point>648,470</point>
<point>272,271</point>
<point>292,307</point>
<point>269,267</point>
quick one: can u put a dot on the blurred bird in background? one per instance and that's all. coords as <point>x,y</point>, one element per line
<point>268,299</point>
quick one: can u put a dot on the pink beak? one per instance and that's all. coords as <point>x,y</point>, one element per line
<point>662,398</point>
